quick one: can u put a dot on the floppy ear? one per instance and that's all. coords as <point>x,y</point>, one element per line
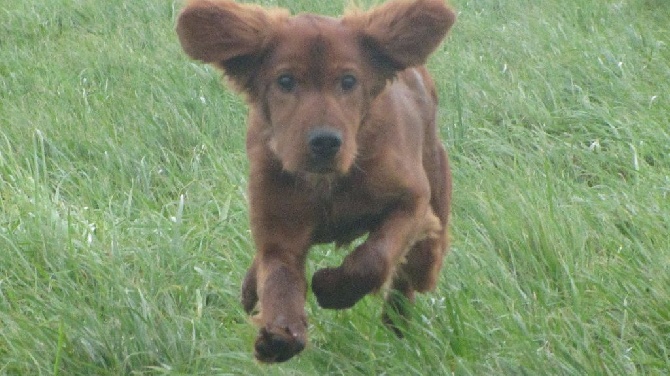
<point>228,35</point>
<point>403,33</point>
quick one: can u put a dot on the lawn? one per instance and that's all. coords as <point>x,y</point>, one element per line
<point>123,218</point>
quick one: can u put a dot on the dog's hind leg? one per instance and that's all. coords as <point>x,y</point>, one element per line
<point>396,306</point>
<point>423,264</point>
<point>420,270</point>
<point>419,273</point>
<point>424,260</point>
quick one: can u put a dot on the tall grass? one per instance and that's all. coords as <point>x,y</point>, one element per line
<point>123,222</point>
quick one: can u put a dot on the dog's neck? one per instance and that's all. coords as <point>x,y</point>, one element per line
<point>321,185</point>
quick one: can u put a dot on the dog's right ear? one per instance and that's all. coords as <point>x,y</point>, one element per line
<point>228,35</point>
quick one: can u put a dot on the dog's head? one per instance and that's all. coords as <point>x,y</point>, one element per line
<point>312,78</point>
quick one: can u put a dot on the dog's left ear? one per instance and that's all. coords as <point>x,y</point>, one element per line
<point>403,33</point>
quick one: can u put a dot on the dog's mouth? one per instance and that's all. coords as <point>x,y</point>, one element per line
<point>321,167</point>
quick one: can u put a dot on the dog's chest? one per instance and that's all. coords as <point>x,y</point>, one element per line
<point>345,212</point>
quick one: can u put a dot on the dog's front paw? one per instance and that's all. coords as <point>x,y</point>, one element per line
<point>335,290</point>
<point>279,344</point>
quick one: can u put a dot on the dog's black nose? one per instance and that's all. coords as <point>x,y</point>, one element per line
<point>324,143</point>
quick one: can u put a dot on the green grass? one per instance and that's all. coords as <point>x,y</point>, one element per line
<point>123,222</point>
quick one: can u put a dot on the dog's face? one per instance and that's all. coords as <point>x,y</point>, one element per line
<point>314,86</point>
<point>311,79</point>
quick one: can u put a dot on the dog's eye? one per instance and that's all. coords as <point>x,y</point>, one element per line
<point>348,82</point>
<point>286,82</point>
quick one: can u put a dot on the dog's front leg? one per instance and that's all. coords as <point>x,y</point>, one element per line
<point>275,283</point>
<point>372,264</point>
<point>281,289</point>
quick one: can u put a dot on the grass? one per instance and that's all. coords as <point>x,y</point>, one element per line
<point>123,223</point>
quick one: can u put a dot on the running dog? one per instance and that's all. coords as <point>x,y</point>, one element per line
<point>342,143</point>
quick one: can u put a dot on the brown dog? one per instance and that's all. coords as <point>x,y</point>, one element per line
<point>342,142</point>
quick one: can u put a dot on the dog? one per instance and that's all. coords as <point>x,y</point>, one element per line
<point>342,142</point>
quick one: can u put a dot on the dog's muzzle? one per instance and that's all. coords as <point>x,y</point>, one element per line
<point>324,144</point>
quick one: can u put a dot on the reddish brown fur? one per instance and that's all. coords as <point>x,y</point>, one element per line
<point>342,142</point>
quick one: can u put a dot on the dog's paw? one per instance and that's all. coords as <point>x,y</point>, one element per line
<point>334,290</point>
<point>279,344</point>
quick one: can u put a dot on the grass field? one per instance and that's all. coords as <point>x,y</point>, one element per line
<point>123,222</point>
